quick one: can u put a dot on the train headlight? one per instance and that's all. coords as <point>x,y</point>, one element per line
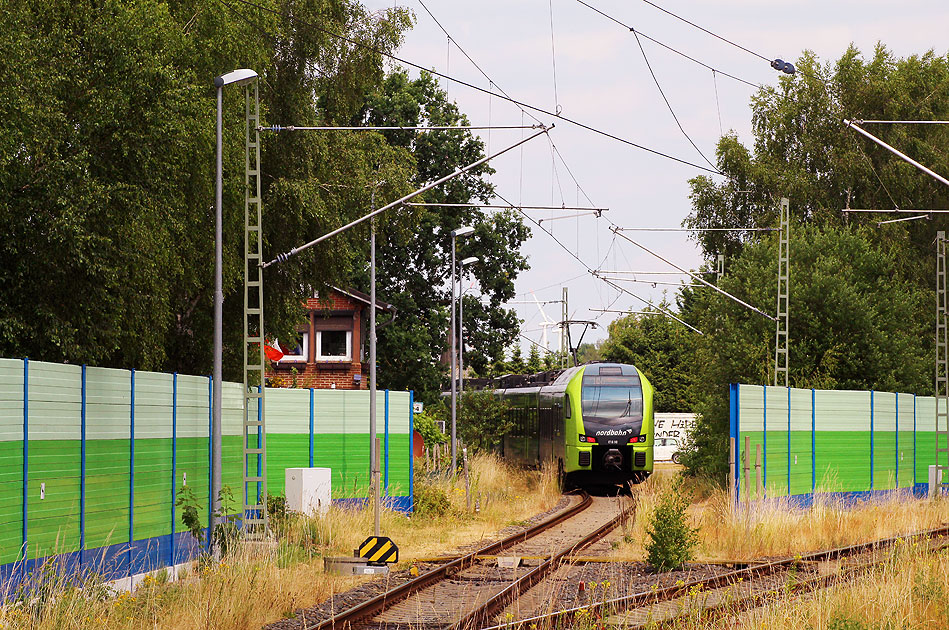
<point>587,438</point>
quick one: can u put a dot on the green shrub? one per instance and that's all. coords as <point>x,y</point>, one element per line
<point>431,500</point>
<point>190,517</point>
<point>671,539</point>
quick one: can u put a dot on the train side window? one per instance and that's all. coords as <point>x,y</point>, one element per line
<point>566,405</point>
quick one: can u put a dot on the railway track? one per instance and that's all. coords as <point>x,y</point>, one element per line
<point>731,591</point>
<point>469,591</point>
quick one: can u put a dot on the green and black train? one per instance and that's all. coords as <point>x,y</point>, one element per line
<point>593,421</point>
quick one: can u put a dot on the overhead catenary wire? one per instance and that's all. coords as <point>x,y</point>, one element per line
<point>922,216</point>
<point>652,282</point>
<point>701,280</point>
<point>523,104</point>
<point>896,210</point>
<point>666,100</point>
<point>491,82</point>
<point>280,128</point>
<point>670,48</point>
<point>593,272</point>
<point>705,30</point>
<point>665,229</point>
<point>296,250</point>
<point>504,207</point>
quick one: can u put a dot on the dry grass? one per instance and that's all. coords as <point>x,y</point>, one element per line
<point>910,591</point>
<point>776,529</point>
<point>252,588</point>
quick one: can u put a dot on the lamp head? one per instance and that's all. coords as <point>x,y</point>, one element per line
<point>470,260</point>
<point>235,77</point>
<point>462,231</point>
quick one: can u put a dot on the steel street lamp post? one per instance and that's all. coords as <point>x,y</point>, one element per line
<point>461,322</point>
<point>236,77</point>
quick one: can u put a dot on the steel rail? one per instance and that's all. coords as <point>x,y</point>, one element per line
<point>637,600</point>
<point>383,601</point>
<point>478,617</point>
<point>799,587</point>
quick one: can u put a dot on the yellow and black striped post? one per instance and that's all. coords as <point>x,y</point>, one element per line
<point>378,550</point>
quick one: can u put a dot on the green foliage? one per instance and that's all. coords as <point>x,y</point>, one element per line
<point>861,314</point>
<point>430,500</point>
<point>534,364</point>
<point>854,322</point>
<point>227,530</point>
<point>425,424</point>
<point>671,539</point>
<point>188,503</point>
<point>107,170</point>
<point>481,420</point>
<point>414,264</point>
<point>662,348</point>
<point>588,352</point>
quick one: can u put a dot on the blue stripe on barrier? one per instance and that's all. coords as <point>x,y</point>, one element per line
<point>411,504</point>
<point>132,467</point>
<point>789,440</point>
<point>897,440</point>
<point>26,453</point>
<point>210,456</point>
<point>813,441</point>
<point>764,432</point>
<point>386,476</point>
<point>174,462</point>
<point>735,434</point>
<point>82,467</point>
<point>871,439</point>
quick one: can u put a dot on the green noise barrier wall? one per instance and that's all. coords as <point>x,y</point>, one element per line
<point>91,459</point>
<point>846,444</point>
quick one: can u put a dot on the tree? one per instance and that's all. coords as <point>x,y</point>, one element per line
<point>662,349</point>
<point>481,420</point>
<point>854,324</point>
<point>861,298</point>
<point>588,352</point>
<point>533,361</point>
<point>107,170</point>
<point>516,365</point>
<point>414,265</point>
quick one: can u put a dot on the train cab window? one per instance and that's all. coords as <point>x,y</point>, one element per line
<point>612,400</point>
<point>566,405</point>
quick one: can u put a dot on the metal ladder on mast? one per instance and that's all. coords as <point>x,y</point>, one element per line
<point>254,433</point>
<point>942,371</point>
<point>781,324</point>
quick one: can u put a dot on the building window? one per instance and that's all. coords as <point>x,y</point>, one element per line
<point>297,351</point>
<point>334,345</point>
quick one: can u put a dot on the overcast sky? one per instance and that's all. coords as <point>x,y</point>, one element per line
<point>601,79</point>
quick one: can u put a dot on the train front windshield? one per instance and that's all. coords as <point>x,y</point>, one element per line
<point>612,400</point>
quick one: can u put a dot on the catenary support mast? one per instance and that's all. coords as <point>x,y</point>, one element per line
<point>254,433</point>
<point>942,369</point>
<point>781,324</point>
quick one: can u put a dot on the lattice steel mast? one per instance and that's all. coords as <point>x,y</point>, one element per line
<point>942,370</point>
<point>254,432</point>
<point>781,324</point>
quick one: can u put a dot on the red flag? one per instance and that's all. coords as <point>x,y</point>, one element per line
<point>272,353</point>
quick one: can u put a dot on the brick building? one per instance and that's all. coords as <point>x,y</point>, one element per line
<point>331,350</point>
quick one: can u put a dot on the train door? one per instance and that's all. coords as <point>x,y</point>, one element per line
<point>546,433</point>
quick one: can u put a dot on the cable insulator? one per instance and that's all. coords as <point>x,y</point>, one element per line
<point>788,68</point>
<point>778,64</point>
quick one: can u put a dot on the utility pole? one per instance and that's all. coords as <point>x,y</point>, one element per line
<point>781,324</point>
